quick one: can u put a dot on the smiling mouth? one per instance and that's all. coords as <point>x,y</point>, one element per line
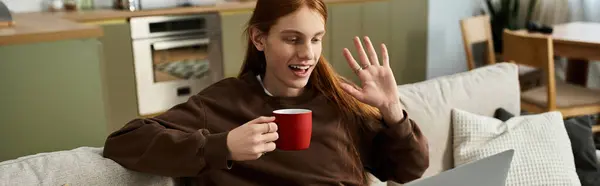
<point>300,70</point>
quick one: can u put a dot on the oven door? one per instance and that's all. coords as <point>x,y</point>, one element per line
<point>170,70</point>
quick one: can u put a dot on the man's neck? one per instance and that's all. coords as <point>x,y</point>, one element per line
<point>278,89</point>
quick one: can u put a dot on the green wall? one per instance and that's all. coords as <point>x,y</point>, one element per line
<point>50,97</point>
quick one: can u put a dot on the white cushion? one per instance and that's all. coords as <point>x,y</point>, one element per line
<point>543,153</point>
<point>81,166</point>
<point>482,91</point>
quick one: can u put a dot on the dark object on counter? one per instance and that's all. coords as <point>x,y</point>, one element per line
<point>131,5</point>
<point>535,27</point>
<point>6,19</point>
<point>70,6</point>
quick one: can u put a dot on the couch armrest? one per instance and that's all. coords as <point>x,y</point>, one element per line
<point>81,166</point>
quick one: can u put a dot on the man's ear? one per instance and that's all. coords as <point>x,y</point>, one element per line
<point>258,38</point>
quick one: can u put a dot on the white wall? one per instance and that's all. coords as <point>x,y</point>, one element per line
<point>23,5</point>
<point>591,12</point>
<point>445,52</point>
<point>37,5</point>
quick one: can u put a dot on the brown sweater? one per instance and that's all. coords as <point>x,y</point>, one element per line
<point>189,140</point>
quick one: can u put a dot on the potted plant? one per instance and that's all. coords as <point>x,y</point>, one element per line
<point>504,14</point>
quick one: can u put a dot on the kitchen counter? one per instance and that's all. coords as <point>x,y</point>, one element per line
<point>46,26</point>
<point>41,27</point>
<point>100,15</point>
<point>110,14</point>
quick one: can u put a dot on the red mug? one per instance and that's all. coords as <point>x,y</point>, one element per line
<point>294,128</point>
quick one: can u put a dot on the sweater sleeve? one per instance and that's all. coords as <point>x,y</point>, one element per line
<point>399,152</point>
<point>177,143</point>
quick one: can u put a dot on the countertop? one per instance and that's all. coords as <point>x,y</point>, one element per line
<point>48,26</point>
<point>39,27</point>
<point>108,14</point>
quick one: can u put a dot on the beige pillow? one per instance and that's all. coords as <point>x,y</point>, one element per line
<point>543,153</point>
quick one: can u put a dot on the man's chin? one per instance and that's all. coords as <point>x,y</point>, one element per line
<point>297,83</point>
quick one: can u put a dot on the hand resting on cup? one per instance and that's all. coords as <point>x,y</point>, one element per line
<point>251,140</point>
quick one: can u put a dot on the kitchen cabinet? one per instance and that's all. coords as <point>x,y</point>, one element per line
<point>326,52</point>
<point>345,25</point>
<point>52,97</point>
<point>118,74</point>
<point>356,19</point>
<point>233,40</point>
<point>375,21</point>
<point>408,51</point>
<point>401,25</point>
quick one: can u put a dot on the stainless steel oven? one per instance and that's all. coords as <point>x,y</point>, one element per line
<point>175,57</point>
<point>136,5</point>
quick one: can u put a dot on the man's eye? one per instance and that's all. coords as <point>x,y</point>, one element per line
<point>316,40</point>
<point>292,39</point>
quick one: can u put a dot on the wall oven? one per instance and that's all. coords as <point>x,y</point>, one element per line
<point>175,57</point>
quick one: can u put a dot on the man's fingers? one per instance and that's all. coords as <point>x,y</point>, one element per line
<point>270,137</point>
<point>371,51</point>
<point>385,56</point>
<point>362,55</point>
<point>350,59</point>
<point>263,128</point>
<point>262,119</point>
<point>269,147</point>
<point>272,127</point>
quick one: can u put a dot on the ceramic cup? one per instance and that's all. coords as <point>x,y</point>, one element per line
<point>294,128</point>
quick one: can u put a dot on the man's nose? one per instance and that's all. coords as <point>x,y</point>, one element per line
<point>305,52</point>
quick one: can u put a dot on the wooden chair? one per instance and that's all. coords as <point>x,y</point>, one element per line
<point>537,51</point>
<point>477,30</point>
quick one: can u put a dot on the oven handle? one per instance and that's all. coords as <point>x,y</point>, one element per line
<point>166,45</point>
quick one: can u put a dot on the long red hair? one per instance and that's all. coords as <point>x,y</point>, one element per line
<point>323,79</point>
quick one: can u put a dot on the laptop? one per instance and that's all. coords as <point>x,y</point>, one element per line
<point>490,171</point>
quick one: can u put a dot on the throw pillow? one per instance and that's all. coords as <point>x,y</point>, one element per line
<point>582,144</point>
<point>542,148</point>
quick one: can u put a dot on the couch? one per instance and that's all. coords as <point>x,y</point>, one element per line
<point>429,103</point>
<point>480,91</point>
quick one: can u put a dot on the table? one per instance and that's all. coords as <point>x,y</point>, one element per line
<point>579,42</point>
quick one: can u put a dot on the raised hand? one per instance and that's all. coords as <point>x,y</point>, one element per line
<point>378,85</point>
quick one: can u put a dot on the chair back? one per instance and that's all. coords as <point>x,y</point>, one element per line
<point>477,30</point>
<point>535,50</point>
